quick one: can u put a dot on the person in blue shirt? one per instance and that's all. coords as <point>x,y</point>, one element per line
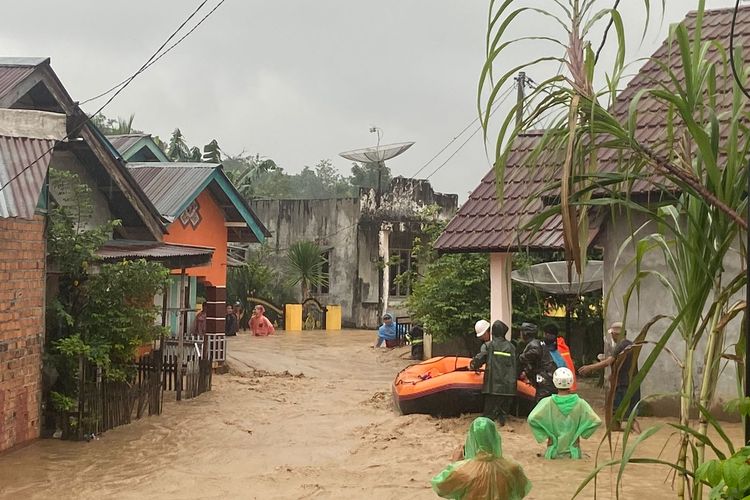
<point>550,340</point>
<point>387,333</point>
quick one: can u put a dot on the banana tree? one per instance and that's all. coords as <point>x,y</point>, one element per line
<point>697,163</point>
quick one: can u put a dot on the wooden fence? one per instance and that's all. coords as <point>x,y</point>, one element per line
<point>105,405</point>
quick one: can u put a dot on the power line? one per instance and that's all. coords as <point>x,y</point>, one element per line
<point>454,139</point>
<point>149,62</point>
<point>122,87</point>
<point>606,32</point>
<point>497,106</point>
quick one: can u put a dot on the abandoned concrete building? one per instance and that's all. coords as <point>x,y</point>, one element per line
<point>358,237</point>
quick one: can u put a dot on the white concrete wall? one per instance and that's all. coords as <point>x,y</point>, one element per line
<point>67,161</point>
<point>332,222</point>
<point>664,377</point>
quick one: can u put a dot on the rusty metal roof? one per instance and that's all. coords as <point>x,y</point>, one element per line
<point>172,255</point>
<point>13,70</point>
<point>124,142</point>
<point>23,179</point>
<point>170,186</point>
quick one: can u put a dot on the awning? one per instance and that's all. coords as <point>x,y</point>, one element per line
<point>170,255</point>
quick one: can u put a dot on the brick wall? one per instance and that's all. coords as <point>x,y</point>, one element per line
<point>22,294</point>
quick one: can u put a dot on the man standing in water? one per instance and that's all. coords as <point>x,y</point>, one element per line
<point>528,333</point>
<point>230,322</point>
<point>538,367</point>
<point>499,357</point>
<point>621,362</point>
<point>559,350</point>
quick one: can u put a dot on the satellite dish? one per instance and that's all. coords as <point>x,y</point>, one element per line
<point>552,277</point>
<point>377,154</point>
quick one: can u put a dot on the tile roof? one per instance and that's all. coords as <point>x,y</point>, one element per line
<point>483,225</point>
<point>651,127</point>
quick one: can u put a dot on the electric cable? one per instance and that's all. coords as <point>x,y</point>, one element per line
<point>122,87</point>
<point>455,138</point>
<point>497,106</point>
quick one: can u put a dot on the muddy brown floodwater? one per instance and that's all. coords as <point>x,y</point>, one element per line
<point>301,415</point>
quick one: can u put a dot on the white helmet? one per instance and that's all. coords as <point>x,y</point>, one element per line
<point>481,327</point>
<point>563,378</point>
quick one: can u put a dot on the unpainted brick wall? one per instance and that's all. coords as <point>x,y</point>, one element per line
<point>22,293</point>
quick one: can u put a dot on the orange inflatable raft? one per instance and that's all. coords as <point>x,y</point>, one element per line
<point>444,386</point>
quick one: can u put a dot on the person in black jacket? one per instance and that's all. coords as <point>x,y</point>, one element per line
<point>230,322</point>
<point>499,357</point>
<point>538,366</point>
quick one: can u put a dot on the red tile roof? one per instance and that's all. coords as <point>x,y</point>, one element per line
<point>482,225</point>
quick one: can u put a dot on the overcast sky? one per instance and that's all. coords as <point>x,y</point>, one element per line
<point>296,80</point>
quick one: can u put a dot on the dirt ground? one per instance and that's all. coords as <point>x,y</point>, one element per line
<point>301,415</point>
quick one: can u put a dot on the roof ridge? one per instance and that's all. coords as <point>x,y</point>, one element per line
<point>23,62</point>
<point>719,10</point>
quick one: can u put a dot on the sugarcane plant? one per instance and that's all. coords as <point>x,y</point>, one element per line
<point>696,166</point>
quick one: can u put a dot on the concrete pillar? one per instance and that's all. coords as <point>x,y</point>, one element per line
<point>384,252</point>
<point>500,289</point>
<point>216,309</point>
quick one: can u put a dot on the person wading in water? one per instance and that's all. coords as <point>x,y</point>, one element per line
<point>538,367</point>
<point>499,357</point>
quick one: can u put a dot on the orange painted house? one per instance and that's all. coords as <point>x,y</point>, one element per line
<point>202,208</point>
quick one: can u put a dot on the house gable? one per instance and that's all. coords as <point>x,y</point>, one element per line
<point>172,187</point>
<point>137,148</point>
<point>203,225</point>
<point>28,83</point>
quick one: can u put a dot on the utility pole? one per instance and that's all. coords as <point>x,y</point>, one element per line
<point>521,86</point>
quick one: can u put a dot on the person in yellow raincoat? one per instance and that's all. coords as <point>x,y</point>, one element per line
<point>563,419</point>
<point>480,471</point>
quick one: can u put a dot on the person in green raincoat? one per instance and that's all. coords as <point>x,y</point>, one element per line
<point>480,472</point>
<point>563,419</point>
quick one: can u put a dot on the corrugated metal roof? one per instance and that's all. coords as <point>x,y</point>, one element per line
<point>13,70</point>
<point>168,185</point>
<point>115,250</point>
<point>10,76</point>
<point>27,159</point>
<point>125,141</point>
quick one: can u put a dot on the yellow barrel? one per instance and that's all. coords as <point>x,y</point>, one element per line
<point>333,317</point>
<point>293,317</point>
